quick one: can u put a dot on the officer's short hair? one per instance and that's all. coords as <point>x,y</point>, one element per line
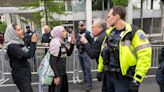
<point>46,28</point>
<point>120,11</point>
<point>101,23</point>
<point>27,26</point>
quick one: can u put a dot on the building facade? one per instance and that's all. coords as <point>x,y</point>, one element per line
<point>147,14</point>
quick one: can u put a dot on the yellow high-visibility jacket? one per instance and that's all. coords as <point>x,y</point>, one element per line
<point>135,52</point>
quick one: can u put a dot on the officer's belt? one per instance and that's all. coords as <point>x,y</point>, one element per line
<point>116,70</point>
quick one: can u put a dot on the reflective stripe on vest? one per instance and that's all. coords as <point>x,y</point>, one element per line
<point>143,46</point>
<point>128,43</point>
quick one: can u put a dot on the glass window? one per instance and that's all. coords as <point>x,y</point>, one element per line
<point>137,22</point>
<point>157,22</point>
<point>156,4</point>
<point>68,6</point>
<point>146,25</point>
<point>147,4</point>
<point>96,4</point>
<point>136,4</point>
<point>78,5</point>
<point>106,4</point>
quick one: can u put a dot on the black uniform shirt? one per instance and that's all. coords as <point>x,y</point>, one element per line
<point>46,38</point>
<point>113,44</point>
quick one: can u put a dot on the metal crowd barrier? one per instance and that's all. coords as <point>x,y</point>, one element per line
<point>73,67</point>
<point>156,50</point>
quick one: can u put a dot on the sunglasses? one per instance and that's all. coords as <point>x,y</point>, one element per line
<point>81,25</point>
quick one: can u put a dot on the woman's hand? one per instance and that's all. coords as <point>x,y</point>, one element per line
<point>34,38</point>
<point>57,80</point>
<point>73,38</point>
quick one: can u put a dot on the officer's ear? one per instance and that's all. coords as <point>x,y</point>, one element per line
<point>117,16</point>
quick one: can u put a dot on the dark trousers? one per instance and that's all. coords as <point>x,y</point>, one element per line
<point>160,78</point>
<point>85,63</point>
<point>112,84</point>
<point>62,87</point>
<point>25,88</point>
<point>22,79</point>
<point>104,82</point>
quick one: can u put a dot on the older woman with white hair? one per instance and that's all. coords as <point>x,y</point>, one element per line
<point>18,55</point>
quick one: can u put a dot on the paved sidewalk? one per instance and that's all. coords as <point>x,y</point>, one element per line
<point>149,85</point>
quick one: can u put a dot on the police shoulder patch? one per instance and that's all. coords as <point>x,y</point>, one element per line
<point>142,36</point>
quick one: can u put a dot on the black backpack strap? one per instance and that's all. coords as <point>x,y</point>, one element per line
<point>134,30</point>
<point>59,55</point>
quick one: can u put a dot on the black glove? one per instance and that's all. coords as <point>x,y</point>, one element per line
<point>134,85</point>
<point>99,76</point>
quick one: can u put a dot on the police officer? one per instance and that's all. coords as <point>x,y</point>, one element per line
<point>46,37</point>
<point>27,36</point>
<point>160,71</point>
<point>125,53</point>
<point>84,59</point>
<point>93,50</point>
<point>27,40</point>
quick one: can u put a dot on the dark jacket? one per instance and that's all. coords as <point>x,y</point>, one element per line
<point>58,64</point>
<point>27,38</point>
<point>46,38</point>
<point>79,45</point>
<point>21,71</point>
<point>93,50</point>
<point>161,58</point>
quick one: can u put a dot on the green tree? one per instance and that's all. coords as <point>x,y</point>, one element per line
<point>48,8</point>
<point>3,26</point>
<point>120,2</point>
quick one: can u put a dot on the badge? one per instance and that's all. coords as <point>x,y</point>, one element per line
<point>142,36</point>
<point>122,34</point>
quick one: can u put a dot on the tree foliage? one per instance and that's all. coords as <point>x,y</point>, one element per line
<point>3,26</point>
<point>47,8</point>
<point>120,2</point>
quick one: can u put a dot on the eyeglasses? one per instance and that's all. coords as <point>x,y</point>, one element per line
<point>94,26</point>
<point>81,25</point>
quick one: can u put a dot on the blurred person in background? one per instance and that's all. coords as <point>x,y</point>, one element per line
<point>18,54</point>
<point>1,40</point>
<point>46,37</point>
<point>84,59</point>
<point>27,36</point>
<point>27,40</point>
<point>160,71</point>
